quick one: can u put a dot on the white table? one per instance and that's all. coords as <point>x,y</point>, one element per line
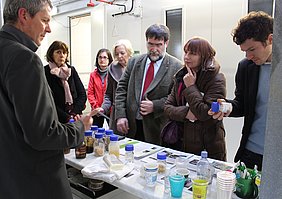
<point>135,184</point>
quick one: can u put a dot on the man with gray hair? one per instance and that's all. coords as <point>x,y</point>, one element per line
<point>31,139</point>
<point>144,87</point>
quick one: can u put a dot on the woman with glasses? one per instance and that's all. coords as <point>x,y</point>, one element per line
<point>122,51</point>
<point>98,83</point>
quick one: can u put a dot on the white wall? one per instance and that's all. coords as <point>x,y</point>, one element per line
<point>212,19</point>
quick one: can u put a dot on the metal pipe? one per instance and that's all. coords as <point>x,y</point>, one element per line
<point>121,13</point>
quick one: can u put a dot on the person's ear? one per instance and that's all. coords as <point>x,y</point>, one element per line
<point>270,38</point>
<point>22,15</point>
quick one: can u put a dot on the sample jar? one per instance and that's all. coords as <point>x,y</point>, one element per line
<point>129,154</point>
<point>89,141</point>
<point>114,145</point>
<point>99,145</point>
<point>161,158</point>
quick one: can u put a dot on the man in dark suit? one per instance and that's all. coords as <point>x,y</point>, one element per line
<point>31,138</point>
<point>254,36</point>
<point>144,87</point>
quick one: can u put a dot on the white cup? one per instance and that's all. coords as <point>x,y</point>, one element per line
<point>151,172</point>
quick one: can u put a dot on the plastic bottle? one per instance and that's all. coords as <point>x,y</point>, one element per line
<point>99,145</point>
<point>166,181</point>
<point>89,141</point>
<point>114,145</point>
<point>129,153</point>
<point>204,167</point>
<point>108,133</point>
<point>161,159</point>
<point>223,107</point>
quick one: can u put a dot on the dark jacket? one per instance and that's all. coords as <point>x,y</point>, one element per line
<point>244,103</point>
<point>31,139</point>
<point>114,74</point>
<point>129,90</point>
<point>204,133</point>
<point>77,91</point>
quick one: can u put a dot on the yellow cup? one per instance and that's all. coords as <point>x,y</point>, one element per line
<point>199,188</point>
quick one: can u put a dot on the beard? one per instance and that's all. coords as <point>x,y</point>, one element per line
<point>155,56</point>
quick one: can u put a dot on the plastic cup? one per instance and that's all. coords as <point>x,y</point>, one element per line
<point>176,185</point>
<point>181,162</point>
<point>225,184</point>
<point>199,188</point>
<point>184,172</point>
<point>150,173</point>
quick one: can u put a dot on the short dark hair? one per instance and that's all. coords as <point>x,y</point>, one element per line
<point>158,31</point>
<point>110,57</point>
<point>56,45</point>
<point>256,25</point>
<point>12,7</point>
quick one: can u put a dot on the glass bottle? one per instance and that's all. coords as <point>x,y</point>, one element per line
<point>161,158</point>
<point>129,153</point>
<point>89,141</point>
<point>108,133</point>
<point>99,145</point>
<point>114,145</point>
<point>94,129</point>
<point>80,151</point>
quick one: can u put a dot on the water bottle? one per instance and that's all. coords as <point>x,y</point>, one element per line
<point>204,168</point>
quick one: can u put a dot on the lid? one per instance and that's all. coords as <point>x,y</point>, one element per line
<point>113,137</point>
<point>109,132</point>
<point>94,127</point>
<point>161,156</point>
<point>71,120</point>
<point>88,133</point>
<point>99,135</point>
<point>101,130</point>
<point>215,107</point>
<point>129,147</point>
<point>204,154</point>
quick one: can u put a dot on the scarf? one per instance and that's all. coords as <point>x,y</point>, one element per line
<point>63,72</point>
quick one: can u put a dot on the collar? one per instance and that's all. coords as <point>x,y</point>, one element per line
<point>20,36</point>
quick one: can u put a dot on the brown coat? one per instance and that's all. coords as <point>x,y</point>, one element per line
<point>205,133</point>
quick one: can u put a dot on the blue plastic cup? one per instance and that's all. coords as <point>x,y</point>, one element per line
<point>176,185</point>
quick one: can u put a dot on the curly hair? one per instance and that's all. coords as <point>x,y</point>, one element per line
<point>256,25</point>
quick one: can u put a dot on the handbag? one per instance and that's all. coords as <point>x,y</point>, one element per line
<point>170,133</point>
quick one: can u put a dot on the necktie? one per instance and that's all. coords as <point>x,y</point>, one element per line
<point>149,77</point>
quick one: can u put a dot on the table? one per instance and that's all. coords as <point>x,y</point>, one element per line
<point>135,184</point>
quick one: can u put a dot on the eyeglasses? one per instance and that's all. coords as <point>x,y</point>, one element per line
<point>101,57</point>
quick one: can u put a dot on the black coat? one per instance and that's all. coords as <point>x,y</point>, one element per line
<point>244,103</point>
<point>31,138</point>
<point>77,91</point>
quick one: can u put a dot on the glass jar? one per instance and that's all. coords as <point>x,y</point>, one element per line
<point>129,154</point>
<point>108,133</point>
<point>99,145</point>
<point>94,129</point>
<point>80,152</point>
<point>114,145</point>
<point>161,158</point>
<point>89,141</point>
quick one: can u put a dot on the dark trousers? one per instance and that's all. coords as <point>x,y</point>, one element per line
<point>98,120</point>
<point>251,159</point>
<point>139,131</point>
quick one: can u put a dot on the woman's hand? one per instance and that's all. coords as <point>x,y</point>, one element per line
<point>190,78</point>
